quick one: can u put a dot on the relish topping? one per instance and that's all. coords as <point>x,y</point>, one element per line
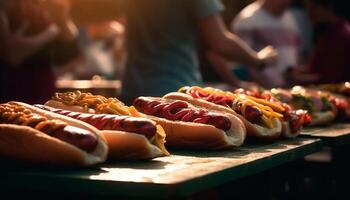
<point>307,99</point>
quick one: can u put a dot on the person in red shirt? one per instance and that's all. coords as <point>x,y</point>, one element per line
<point>31,34</point>
<point>330,57</point>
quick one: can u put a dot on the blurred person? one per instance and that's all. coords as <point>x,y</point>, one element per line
<point>162,38</point>
<point>103,52</point>
<point>330,57</point>
<point>268,22</point>
<point>34,35</point>
<point>108,37</point>
<point>298,11</point>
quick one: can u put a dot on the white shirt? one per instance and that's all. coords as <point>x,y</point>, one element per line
<point>259,28</point>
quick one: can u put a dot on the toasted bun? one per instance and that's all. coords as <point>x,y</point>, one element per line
<point>28,144</point>
<point>253,130</point>
<point>126,145</point>
<point>201,136</point>
<point>322,118</point>
<point>74,108</point>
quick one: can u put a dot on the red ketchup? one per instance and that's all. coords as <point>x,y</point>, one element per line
<point>214,98</point>
<point>180,111</point>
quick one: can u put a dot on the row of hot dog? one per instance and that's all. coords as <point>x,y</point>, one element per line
<point>82,129</point>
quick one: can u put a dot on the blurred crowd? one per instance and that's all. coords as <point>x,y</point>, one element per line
<point>156,46</point>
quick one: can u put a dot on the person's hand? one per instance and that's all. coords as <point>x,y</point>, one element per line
<point>268,56</point>
<point>109,30</point>
<point>58,10</point>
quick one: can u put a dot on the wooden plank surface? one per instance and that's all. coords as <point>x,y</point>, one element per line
<point>333,135</point>
<point>179,175</point>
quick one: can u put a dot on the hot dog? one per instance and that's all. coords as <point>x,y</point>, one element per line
<point>317,103</point>
<point>97,104</point>
<point>292,121</point>
<point>117,128</point>
<point>260,120</point>
<point>190,127</point>
<point>342,104</point>
<point>33,135</point>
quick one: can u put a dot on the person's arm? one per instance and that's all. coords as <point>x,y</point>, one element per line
<point>59,11</point>
<point>221,66</point>
<point>227,44</point>
<point>15,47</point>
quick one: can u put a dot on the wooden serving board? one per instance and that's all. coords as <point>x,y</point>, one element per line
<point>333,135</point>
<point>175,176</point>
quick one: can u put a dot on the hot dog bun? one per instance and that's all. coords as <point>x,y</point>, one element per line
<point>200,136</point>
<point>286,131</point>
<point>24,143</point>
<point>253,130</point>
<point>127,145</point>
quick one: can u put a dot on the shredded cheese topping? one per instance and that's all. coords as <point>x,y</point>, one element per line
<point>16,114</point>
<point>272,105</point>
<point>133,112</point>
<point>159,140</point>
<point>97,102</point>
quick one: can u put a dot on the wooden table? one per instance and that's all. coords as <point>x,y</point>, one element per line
<point>334,135</point>
<point>182,174</point>
<point>330,167</point>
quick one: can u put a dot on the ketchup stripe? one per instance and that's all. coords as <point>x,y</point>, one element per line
<point>178,110</point>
